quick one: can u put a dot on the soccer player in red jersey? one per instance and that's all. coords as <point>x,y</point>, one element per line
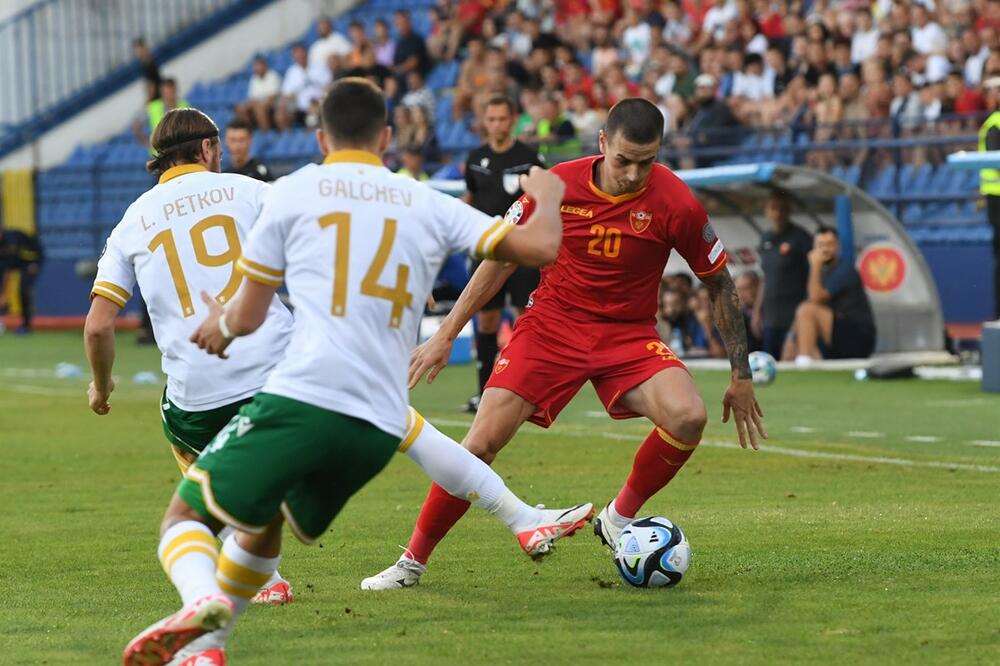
<point>592,318</point>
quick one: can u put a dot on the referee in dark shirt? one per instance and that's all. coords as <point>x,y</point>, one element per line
<point>492,178</point>
<point>239,137</point>
<point>23,253</point>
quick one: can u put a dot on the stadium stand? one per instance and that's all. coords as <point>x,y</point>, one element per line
<point>799,110</point>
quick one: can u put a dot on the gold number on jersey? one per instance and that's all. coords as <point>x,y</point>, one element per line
<point>165,239</point>
<point>606,242</point>
<point>397,294</point>
<point>343,222</point>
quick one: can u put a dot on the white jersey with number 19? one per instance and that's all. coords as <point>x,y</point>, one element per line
<point>359,248</point>
<point>180,238</point>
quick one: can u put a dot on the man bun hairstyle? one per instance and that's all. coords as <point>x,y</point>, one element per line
<point>638,119</point>
<point>354,112</point>
<point>177,139</point>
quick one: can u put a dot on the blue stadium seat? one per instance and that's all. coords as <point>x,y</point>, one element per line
<point>884,183</point>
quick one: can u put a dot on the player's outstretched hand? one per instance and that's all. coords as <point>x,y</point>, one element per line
<point>543,185</point>
<point>99,399</point>
<point>430,357</point>
<point>208,336</point>
<point>741,402</point>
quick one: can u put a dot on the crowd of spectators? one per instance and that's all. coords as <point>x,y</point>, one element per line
<point>843,69</point>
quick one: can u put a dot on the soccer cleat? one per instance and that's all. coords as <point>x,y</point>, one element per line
<point>404,573</point>
<point>554,524</point>
<point>157,644</point>
<point>606,530</point>
<point>278,593</point>
<point>205,658</point>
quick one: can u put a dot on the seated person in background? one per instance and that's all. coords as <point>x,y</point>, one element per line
<point>262,93</point>
<point>836,319</point>
<point>678,326</point>
<point>748,290</point>
<point>413,163</point>
<point>700,305</point>
<point>300,88</point>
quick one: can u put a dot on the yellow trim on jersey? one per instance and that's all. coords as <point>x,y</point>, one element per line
<point>723,260</point>
<point>251,273</point>
<point>180,170</point>
<point>620,198</point>
<point>112,292</point>
<point>181,460</point>
<point>491,245</point>
<point>485,240</point>
<point>414,426</point>
<point>261,268</point>
<point>674,442</point>
<point>355,156</point>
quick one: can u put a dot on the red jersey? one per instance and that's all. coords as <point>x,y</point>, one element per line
<point>614,248</point>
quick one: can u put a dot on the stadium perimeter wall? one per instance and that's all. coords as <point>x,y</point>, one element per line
<point>219,56</point>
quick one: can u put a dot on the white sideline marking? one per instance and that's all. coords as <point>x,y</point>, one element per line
<point>930,439</point>
<point>27,372</point>
<point>802,429</point>
<point>794,453</point>
<point>984,442</point>
<point>595,414</point>
<point>864,434</point>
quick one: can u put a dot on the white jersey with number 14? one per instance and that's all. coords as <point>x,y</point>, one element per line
<point>359,248</point>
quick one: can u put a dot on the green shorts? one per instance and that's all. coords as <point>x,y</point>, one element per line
<point>282,454</point>
<point>192,431</point>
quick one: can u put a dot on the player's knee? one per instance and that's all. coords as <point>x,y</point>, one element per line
<point>484,448</point>
<point>687,418</point>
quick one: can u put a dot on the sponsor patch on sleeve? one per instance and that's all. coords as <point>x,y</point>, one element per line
<point>715,251</point>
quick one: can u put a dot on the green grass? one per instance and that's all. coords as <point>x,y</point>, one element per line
<point>839,558</point>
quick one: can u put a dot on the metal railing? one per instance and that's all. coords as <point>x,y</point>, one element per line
<point>56,50</point>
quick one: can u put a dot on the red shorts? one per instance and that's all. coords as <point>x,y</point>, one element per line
<point>549,358</point>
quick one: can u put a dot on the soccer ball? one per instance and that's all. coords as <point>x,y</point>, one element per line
<point>762,368</point>
<point>652,552</point>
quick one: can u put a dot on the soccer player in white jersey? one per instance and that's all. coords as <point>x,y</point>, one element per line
<point>182,237</point>
<point>359,248</point>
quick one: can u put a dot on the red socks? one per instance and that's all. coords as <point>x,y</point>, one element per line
<point>659,458</point>
<point>439,514</point>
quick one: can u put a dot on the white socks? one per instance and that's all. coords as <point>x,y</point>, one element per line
<point>617,519</point>
<point>464,475</point>
<point>189,554</point>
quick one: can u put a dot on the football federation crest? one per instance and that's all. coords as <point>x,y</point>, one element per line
<point>640,220</point>
<point>501,365</point>
<point>708,233</point>
<point>882,268</point>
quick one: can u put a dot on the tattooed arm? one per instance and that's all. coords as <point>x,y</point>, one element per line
<point>739,398</point>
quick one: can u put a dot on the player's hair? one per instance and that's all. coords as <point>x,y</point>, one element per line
<point>239,124</point>
<point>177,139</point>
<point>823,229</point>
<point>168,82</point>
<point>639,121</point>
<point>502,100</point>
<point>354,112</point>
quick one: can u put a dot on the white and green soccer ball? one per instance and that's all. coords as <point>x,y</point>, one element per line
<point>763,368</point>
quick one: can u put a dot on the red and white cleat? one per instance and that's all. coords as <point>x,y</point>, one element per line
<point>554,525</point>
<point>158,643</point>
<point>275,594</point>
<point>206,658</point>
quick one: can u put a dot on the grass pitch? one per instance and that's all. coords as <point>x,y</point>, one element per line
<point>865,532</point>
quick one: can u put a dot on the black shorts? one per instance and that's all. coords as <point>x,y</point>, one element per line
<point>849,340</point>
<point>519,286</point>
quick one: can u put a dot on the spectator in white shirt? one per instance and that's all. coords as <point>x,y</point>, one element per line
<point>418,94</point>
<point>716,18</point>
<point>329,43</point>
<point>676,27</point>
<point>262,93</point>
<point>865,39</point>
<point>637,39</point>
<point>928,36</point>
<point>299,89</point>
<point>751,84</point>
<point>906,106</point>
<point>978,53</point>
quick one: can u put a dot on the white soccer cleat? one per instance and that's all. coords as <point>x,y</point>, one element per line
<point>213,657</point>
<point>159,643</point>
<point>404,573</point>
<point>554,524</point>
<point>606,530</point>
